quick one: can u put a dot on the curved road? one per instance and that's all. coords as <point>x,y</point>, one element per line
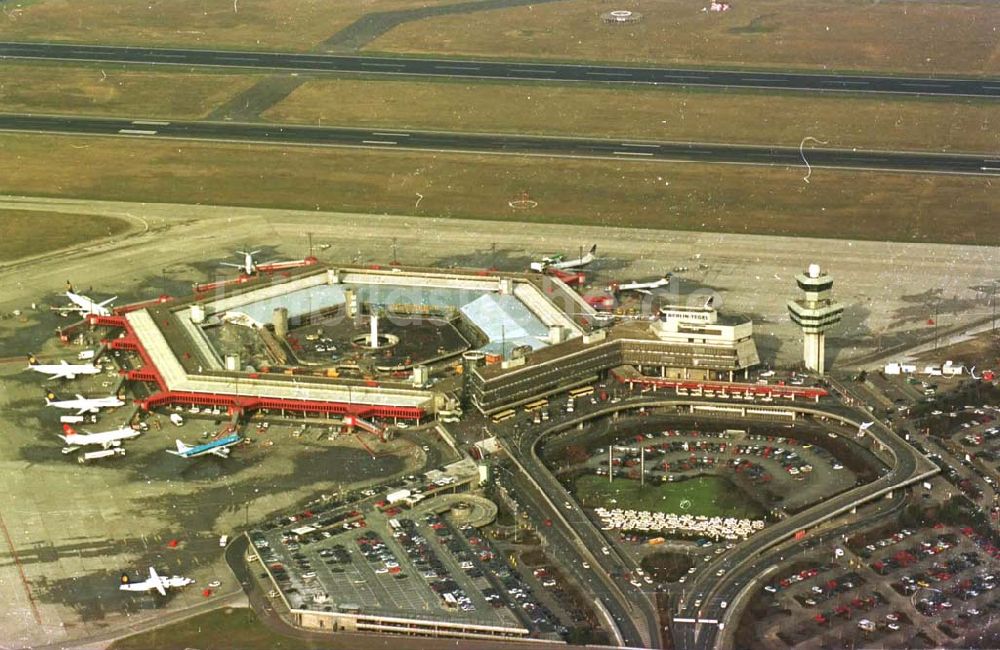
<point>908,467</point>
<point>394,139</point>
<point>475,69</point>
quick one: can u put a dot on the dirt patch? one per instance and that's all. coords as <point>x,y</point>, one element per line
<point>665,566</point>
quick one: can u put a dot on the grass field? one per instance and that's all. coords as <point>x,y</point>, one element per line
<point>711,496</point>
<point>918,37</point>
<point>137,91</point>
<point>722,198</point>
<point>27,232</point>
<point>226,628</point>
<point>288,25</point>
<point>645,112</point>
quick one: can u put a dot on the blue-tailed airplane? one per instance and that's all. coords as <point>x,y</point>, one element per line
<point>218,447</point>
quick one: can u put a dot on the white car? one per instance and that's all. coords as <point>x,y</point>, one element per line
<point>604,549</point>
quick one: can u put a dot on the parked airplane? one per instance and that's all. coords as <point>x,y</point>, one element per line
<point>556,262</point>
<point>62,370</point>
<point>84,404</point>
<point>864,426</point>
<point>641,287</point>
<point>249,266</point>
<point>154,581</point>
<point>106,439</point>
<point>218,447</point>
<point>84,304</point>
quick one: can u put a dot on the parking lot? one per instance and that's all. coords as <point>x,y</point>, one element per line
<point>398,559</point>
<point>894,587</point>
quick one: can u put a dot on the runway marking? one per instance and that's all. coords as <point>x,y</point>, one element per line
<point>173,56</point>
<point>639,144</point>
<point>237,58</point>
<point>924,84</point>
<point>383,65</point>
<point>136,132</point>
<point>532,70</point>
<point>631,153</point>
<point>991,87</point>
<point>456,67</point>
<point>838,82</point>
<point>150,123</point>
<point>610,74</point>
<point>990,169</point>
<point>392,135</point>
<point>767,81</point>
<point>378,142</point>
<point>686,76</point>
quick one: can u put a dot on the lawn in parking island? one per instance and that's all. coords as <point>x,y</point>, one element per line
<point>712,496</point>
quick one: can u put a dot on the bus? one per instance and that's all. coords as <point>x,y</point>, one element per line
<point>504,415</point>
<point>583,390</point>
<point>534,406</point>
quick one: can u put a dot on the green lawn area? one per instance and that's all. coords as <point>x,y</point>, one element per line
<point>27,232</point>
<point>712,198</point>
<point>712,496</point>
<point>224,628</point>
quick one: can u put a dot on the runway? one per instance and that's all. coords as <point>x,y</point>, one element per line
<point>510,70</point>
<point>392,139</point>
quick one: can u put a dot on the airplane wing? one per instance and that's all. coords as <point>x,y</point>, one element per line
<point>235,266</point>
<point>107,302</point>
<point>645,291</point>
<point>221,452</point>
<point>157,581</point>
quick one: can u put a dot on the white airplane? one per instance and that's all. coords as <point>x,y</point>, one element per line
<point>556,262</point>
<point>106,439</point>
<point>864,427</point>
<point>154,581</point>
<point>62,370</point>
<point>84,304</point>
<point>641,287</point>
<point>249,266</point>
<point>84,404</point>
<point>218,447</point>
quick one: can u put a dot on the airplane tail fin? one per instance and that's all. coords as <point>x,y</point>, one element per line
<point>69,286</point>
<point>32,361</point>
<point>593,249</point>
<point>125,579</point>
<point>69,431</point>
<point>181,448</point>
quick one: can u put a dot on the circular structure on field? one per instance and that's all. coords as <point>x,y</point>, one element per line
<point>621,17</point>
<point>523,202</point>
<point>685,504</point>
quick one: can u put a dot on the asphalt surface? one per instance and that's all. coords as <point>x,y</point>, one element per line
<point>473,69</point>
<point>392,139</point>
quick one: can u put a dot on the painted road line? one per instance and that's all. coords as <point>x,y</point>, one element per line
<point>639,144</point>
<point>632,153</point>
<point>610,74</point>
<point>383,65</point>
<point>136,132</point>
<point>390,142</point>
<point>149,123</point>
<point>392,135</point>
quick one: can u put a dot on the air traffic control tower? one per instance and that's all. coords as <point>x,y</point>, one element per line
<point>815,313</point>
